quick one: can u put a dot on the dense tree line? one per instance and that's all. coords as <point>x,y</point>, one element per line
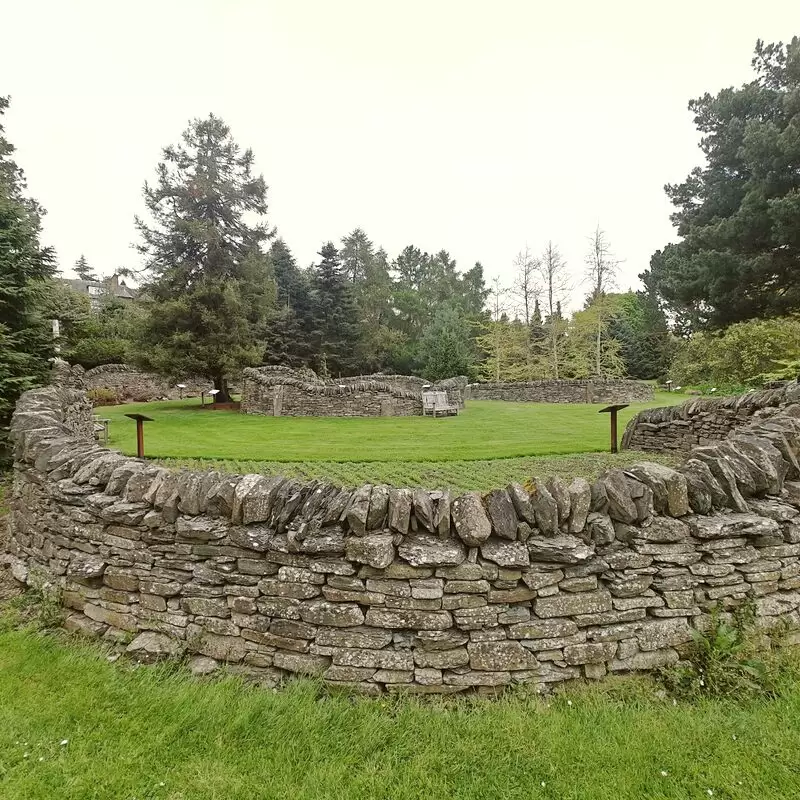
<point>221,290</point>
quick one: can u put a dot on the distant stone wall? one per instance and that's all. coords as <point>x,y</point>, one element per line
<point>702,421</point>
<point>414,384</point>
<point>133,385</point>
<point>381,588</point>
<point>271,394</point>
<point>563,391</point>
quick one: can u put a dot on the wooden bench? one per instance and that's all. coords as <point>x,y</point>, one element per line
<point>436,404</point>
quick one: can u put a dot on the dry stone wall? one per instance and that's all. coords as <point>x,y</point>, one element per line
<point>702,421</point>
<point>131,384</point>
<point>385,588</point>
<point>563,391</point>
<point>278,394</point>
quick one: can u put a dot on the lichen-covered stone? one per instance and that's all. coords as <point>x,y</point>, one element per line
<point>563,549</point>
<point>500,656</point>
<point>322,612</point>
<point>545,508</point>
<point>358,510</point>
<point>502,514</point>
<point>580,495</point>
<point>470,519</point>
<point>505,554</point>
<point>427,550</point>
<point>377,550</point>
<point>567,605</point>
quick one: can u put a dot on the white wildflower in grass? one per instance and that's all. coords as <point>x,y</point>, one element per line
<point>664,773</point>
<point>25,755</point>
<point>41,758</point>
<point>544,783</point>
<point>734,737</point>
<point>64,742</point>
<point>710,792</point>
<point>569,702</point>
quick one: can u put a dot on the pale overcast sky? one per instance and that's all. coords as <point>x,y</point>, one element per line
<point>476,126</point>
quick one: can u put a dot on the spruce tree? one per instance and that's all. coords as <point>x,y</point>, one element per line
<point>336,331</point>
<point>210,291</point>
<point>288,331</point>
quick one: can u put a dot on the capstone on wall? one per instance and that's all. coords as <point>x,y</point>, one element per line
<point>563,391</point>
<point>384,588</point>
<point>702,421</point>
<point>275,394</point>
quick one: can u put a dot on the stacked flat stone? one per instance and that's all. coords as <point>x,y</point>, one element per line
<point>383,588</point>
<point>563,391</point>
<point>702,420</point>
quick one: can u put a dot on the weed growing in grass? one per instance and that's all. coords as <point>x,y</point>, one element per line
<point>36,609</point>
<point>729,658</point>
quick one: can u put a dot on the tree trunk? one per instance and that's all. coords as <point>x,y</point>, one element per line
<point>223,394</point>
<point>599,335</point>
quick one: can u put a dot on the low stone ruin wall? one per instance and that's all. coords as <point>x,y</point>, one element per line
<point>132,385</point>
<point>702,420</point>
<point>382,588</point>
<point>279,395</point>
<point>563,391</point>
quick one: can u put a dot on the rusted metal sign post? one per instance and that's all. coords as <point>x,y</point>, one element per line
<point>140,420</point>
<point>612,410</point>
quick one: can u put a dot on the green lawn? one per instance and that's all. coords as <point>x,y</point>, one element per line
<point>455,475</point>
<point>484,430</point>
<point>155,733</point>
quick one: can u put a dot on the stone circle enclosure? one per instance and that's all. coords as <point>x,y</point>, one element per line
<point>385,588</point>
<point>563,391</point>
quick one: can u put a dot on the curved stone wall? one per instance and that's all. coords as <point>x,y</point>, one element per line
<point>386,588</point>
<point>563,391</point>
<point>278,394</point>
<point>132,385</point>
<point>702,421</point>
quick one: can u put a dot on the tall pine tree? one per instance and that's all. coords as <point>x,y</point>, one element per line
<point>210,290</point>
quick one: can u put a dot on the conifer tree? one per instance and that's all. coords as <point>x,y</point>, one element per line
<point>209,287</point>
<point>26,340</point>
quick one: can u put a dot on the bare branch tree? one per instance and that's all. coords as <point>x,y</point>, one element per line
<point>601,274</point>
<point>527,288</point>
<point>498,295</point>
<point>556,283</point>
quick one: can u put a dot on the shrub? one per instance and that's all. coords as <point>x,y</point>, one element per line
<point>103,397</point>
<point>740,355</point>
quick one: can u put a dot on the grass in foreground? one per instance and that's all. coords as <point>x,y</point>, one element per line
<point>484,430</point>
<point>454,475</point>
<point>73,726</point>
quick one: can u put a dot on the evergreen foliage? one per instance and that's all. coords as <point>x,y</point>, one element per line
<point>26,339</point>
<point>210,292</point>
<point>738,216</point>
